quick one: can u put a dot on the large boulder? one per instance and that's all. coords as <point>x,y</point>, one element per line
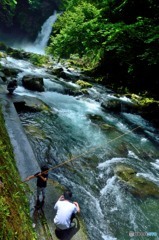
<point>137,185</point>
<point>29,104</point>
<point>112,105</point>
<point>148,108</point>
<point>33,83</point>
<point>9,72</point>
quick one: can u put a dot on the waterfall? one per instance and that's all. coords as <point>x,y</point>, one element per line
<point>43,36</point>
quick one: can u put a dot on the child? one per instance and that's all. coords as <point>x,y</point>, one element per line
<point>42,178</point>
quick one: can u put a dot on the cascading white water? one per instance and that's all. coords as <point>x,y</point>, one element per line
<point>43,36</point>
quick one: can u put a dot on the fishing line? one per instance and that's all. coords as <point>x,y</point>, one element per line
<point>89,151</point>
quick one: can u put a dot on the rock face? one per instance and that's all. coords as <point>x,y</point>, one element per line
<point>33,83</point>
<point>137,185</point>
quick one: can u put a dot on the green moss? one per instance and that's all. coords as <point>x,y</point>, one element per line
<point>143,101</point>
<point>137,185</point>
<point>39,60</point>
<point>2,55</point>
<point>35,132</point>
<point>15,222</point>
<point>84,84</point>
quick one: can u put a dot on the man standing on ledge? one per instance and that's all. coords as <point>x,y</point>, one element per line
<point>66,211</point>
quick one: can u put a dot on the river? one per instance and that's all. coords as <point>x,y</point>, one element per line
<point>70,131</point>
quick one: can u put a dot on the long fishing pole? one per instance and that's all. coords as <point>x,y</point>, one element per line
<point>76,157</point>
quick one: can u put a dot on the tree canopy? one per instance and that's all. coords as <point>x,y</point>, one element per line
<point>118,39</point>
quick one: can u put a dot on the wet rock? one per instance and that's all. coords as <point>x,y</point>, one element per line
<point>9,72</point>
<point>29,104</point>
<point>148,108</point>
<point>137,185</point>
<point>95,118</point>
<point>84,84</point>
<point>35,132</point>
<point>33,83</point>
<point>112,105</point>
<point>3,54</point>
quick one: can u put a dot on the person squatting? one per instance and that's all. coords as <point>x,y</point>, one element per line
<point>65,211</point>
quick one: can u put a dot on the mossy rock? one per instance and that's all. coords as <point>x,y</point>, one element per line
<point>106,127</point>
<point>30,104</point>
<point>137,185</point>
<point>84,84</point>
<point>94,117</point>
<point>33,83</point>
<point>35,132</point>
<point>3,55</point>
<point>84,91</point>
<point>112,105</point>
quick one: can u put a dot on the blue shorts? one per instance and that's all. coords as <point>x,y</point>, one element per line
<point>41,190</point>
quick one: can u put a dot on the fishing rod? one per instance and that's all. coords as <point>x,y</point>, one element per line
<point>78,156</point>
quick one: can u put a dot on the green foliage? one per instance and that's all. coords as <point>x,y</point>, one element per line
<point>117,38</point>
<point>34,3</point>
<point>9,3</point>
<point>75,30</point>
<point>15,220</point>
<point>38,60</point>
<point>7,11</point>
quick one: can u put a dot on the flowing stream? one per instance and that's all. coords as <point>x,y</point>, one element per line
<point>70,131</point>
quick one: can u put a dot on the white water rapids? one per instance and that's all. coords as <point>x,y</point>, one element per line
<point>109,211</point>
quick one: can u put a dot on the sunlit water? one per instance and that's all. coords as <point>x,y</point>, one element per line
<point>109,211</point>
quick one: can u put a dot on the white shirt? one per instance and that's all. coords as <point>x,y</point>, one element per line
<point>65,209</point>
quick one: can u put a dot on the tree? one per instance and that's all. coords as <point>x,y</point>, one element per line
<point>7,10</point>
<point>118,38</point>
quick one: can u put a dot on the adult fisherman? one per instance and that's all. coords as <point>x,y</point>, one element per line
<point>66,211</point>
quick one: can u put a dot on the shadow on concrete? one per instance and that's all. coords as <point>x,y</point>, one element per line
<point>68,233</point>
